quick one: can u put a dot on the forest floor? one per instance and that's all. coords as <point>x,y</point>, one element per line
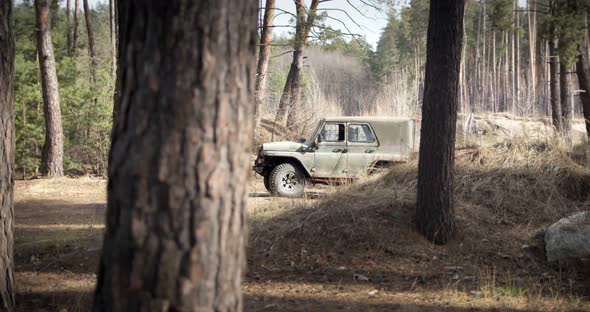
<point>334,251</point>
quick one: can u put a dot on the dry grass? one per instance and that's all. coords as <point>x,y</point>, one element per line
<point>504,195</point>
<point>304,253</point>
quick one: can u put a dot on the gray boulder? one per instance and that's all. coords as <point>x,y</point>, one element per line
<point>569,238</point>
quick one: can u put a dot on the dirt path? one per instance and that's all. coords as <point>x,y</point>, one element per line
<point>59,226</point>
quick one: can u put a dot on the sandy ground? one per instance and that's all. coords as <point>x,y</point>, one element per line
<point>59,226</point>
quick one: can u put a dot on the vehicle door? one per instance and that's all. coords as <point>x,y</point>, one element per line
<point>361,145</point>
<point>329,156</point>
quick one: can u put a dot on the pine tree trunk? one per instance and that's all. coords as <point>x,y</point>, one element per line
<point>262,66</point>
<point>178,176</point>
<point>113,28</point>
<point>583,73</point>
<point>76,21</point>
<point>516,94</point>
<point>531,14</point>
<point>494,74</point>
<point>513,36</point>
<point>91,42</point>
<point>484,71</point>
<point>506,79</point>
<point>564,90</point>
<point>68,27</point>
<point>435,206</point>
<point>52,155</point>
<point>7,151</point>
<point>554,85</point>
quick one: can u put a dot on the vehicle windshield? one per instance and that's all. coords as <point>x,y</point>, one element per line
<point>315,132</point>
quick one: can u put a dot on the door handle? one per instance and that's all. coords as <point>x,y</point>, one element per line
<point>369,151</point>
<point>337,150</point>
<point>345,150</point>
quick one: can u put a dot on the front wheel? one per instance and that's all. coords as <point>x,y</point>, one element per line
<point>287,180</point>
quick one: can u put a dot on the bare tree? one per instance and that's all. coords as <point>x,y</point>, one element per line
<point>435,207</point>
<point>263,58</point>
<point>91,42</point>
<point>7,149</point>
<point>291,96</point>
<point>177,191</point>
<point>52,156</point>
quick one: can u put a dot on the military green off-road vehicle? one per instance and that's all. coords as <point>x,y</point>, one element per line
<point>340,149</point>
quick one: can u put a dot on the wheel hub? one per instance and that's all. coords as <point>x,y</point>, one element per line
<point>289,181</point>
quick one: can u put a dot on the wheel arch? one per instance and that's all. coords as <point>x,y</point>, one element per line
<point>277,160</point>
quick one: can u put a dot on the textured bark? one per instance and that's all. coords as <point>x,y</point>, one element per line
<point>554,85</point>
<point>177,191</point>
<point>516,83</point>
<point>564,92</point>
<point>263,58</point>
<point>76,21</point>
<point>68,27</point>
<point>292,84</point>
<point>435,207</point>
<point>7,149</point>
<point>113,28</point>
<point>52,155</point>
<point>583,73</point>
<point>91,42</point>
<point>291,97</point>
<point>532,32</point>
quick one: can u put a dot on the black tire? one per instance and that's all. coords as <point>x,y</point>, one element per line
<point>266,179</point>
<point>287,180</point>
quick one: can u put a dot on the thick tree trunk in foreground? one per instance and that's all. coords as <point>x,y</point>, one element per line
<point>76,22</point>
<point>175,226</point>
<point>91,42</point>
<point>7,149</point>
<point>554,85</point>
<point>52,156</point>
<point>435,208</point>
<point>262,66</point>
<point>583,72</point>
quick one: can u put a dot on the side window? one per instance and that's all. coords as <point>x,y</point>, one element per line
<point>360,133</point>
<point>333,133</point>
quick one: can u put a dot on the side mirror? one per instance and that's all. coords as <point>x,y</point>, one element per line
<point>302,140</point>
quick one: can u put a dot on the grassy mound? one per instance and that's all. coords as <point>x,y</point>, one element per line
<point>503,195</point>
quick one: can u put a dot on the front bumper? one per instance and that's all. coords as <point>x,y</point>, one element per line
<point>259,164</point>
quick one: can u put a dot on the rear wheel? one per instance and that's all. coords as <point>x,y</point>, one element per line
<point>287,180</point>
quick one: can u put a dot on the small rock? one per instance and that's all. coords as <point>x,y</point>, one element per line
<point>360,278</point>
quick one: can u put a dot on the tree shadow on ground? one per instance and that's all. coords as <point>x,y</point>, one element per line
<point>52,212</point>
<point>78,301</point>
<point>300,304</point>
